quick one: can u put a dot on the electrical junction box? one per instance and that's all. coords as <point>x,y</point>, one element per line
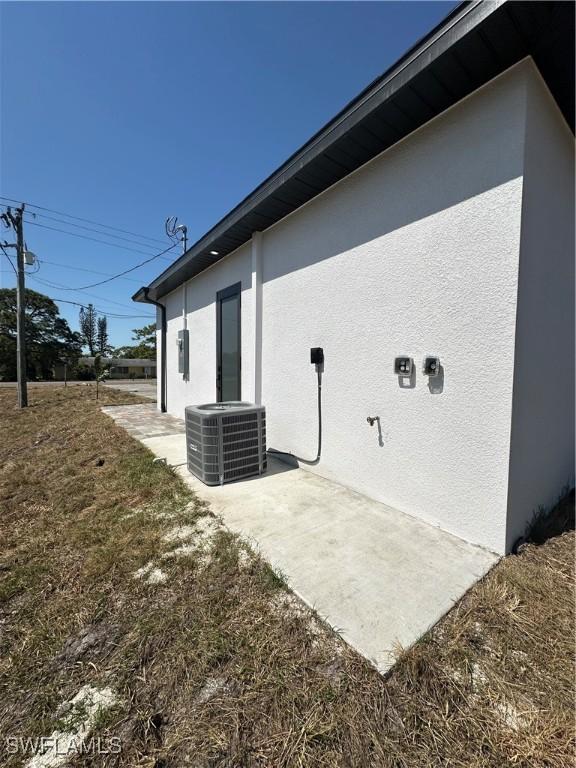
<point>431,366</point>
<point>403,366</point>
<point>316,355</point>
<point>182,342</point>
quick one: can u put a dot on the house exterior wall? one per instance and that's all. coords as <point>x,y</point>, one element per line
<point>542,440</point>
<point>140,371</point>
<point>415,253</point>
<point>193,306</point>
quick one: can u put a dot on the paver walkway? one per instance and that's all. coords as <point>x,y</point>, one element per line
<point>144,420</point>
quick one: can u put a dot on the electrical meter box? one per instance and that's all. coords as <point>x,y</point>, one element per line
<point>183,352</point>
<point>403,366</point>
<point>431,366</point>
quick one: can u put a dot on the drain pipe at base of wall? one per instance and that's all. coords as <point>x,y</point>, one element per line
<point>162,308</point>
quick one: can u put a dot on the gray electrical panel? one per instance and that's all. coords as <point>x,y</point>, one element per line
<point>183,352</point>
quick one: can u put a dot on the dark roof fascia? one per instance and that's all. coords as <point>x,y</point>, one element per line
<point>463,20</point>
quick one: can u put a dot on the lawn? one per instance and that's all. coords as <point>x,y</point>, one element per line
<point>115,579</point>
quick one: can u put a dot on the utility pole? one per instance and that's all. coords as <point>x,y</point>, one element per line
<point>16,221</point>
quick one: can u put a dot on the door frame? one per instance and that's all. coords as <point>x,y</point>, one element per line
<point>228,293</point>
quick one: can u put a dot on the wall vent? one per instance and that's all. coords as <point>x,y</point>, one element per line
<point>225,441</point>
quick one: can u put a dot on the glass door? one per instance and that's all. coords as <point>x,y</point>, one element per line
<point>228,343</point>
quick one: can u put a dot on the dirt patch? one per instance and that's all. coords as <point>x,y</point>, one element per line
<point>213,687</point>
<point>77,718</point>
<point>92,640</point>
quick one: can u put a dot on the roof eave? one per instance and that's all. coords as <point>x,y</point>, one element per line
<point>457,30</point>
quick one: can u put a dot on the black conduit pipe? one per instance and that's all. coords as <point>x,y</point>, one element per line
<point>162,308</point>
<point>310,462</point>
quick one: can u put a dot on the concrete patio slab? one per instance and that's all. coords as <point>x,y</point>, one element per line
<point>378,576</point>
<point>170,447</point>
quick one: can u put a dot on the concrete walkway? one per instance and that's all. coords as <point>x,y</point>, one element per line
<point>378,576</point>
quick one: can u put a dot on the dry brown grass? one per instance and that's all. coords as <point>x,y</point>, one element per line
<point>219,666</point>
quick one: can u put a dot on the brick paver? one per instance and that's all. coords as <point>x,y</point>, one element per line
<point>145,420</point>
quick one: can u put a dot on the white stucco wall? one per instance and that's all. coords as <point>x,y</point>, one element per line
<point>416,253</point>
<point>201,322</point>
<point>542,441</point>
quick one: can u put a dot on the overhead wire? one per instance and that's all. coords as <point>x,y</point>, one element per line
<point>9,259</point>
<point>87,221</point>
<point>96,240</point>
<point>108,278</point>
<point>107,313</point>
<point>84,269</point>
<point>58,286</point>
<point>124,272</point>
<point>101,311</point>
<point>50,284</point>
<point>91,229</point>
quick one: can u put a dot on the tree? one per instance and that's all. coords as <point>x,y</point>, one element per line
<point>146,338</point>
<point>146,347</point>
<point>88,327</point>
<point>49,339</point>
<point>102,344</point>
<point>100,372</point>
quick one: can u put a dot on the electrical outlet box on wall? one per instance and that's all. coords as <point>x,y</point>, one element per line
<point>183,352</point>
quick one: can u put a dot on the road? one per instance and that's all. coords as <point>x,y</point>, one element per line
<point>142,387</point>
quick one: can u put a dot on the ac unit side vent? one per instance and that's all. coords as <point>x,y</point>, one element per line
<point>225,441</point>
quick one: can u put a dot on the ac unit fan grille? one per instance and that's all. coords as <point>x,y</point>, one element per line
<point>226,444</point>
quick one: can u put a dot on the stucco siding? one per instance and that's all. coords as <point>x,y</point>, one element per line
<point>415,254</point>
<point>196,310</point>
<point>542,443</point>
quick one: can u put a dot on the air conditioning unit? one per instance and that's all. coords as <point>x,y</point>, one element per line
<point>225,441</point>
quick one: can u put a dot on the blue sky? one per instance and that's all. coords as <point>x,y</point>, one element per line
<point>126,113</point>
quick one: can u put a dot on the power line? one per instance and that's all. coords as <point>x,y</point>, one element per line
<point>66,288</point>
<point>94,239</point>
<point>103,312</point>
<point>83,269</point>
<point>87,221</point>
<point>96,231</point>
<point>9,259</point>
<point>98,309</point>
<point>125,272</point>
<point>106,314</point>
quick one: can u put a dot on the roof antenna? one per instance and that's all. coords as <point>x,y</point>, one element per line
<point>177,232</point>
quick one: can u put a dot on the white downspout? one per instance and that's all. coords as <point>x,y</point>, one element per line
<point>185,322</point>
<point>256,294</point>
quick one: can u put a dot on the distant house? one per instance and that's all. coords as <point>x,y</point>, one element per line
<point>125,367</point>
<point>118,367</point>
<point>424,239</point>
